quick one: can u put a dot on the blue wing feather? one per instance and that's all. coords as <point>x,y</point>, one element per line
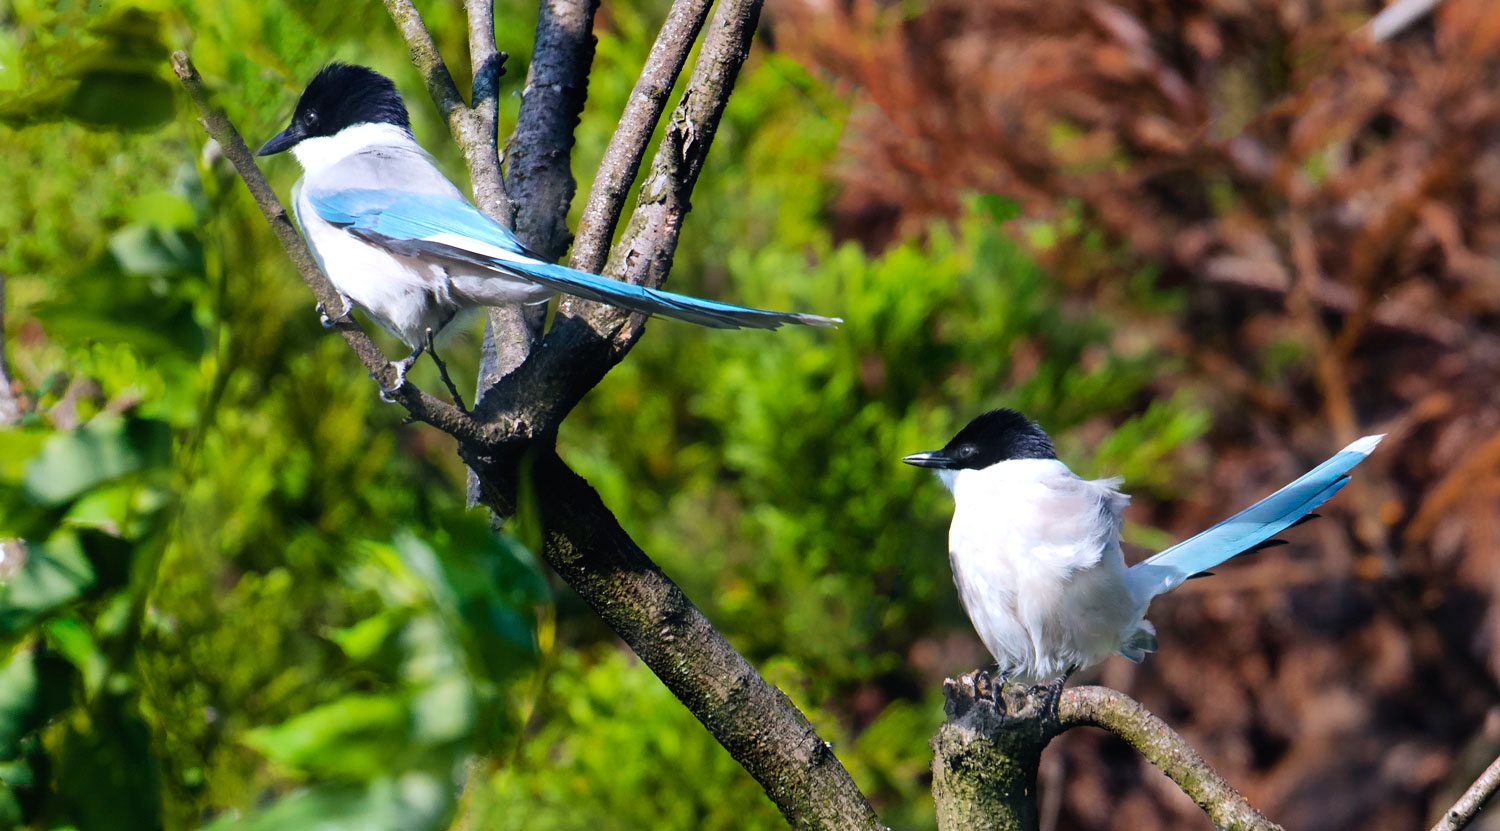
<point>413,223</point>
<point>1248,528</point>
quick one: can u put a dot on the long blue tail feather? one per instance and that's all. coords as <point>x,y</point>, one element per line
<point>1249,528</point>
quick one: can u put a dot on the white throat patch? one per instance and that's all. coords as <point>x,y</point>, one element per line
<point>321,153</point>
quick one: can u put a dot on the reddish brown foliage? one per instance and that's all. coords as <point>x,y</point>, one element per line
<point>1308,191</point>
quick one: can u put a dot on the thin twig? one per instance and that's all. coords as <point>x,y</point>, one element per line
<point>1152,738</point>
<point>422,406</point>
<point>1468,806</point>
<point>627,147</point>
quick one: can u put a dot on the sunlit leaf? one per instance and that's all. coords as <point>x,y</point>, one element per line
<point>354,736</point>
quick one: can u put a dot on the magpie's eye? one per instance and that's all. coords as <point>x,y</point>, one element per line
<point>966,451</point>
<point>311,119</point>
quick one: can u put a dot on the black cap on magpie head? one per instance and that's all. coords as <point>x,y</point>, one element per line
<point>997,436</point>
<point>340,95</point>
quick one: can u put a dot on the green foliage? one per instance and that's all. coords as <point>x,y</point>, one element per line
<point>615,750</point>
<point>238,599</point>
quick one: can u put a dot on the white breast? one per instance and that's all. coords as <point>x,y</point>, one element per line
<point>1036,558</point>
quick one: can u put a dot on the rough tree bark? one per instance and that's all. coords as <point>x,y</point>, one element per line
<point>986,755</point>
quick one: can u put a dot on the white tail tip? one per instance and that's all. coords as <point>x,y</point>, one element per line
<point>1364,446</point>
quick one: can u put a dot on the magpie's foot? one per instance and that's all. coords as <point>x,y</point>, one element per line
<point>327,321</point>
<point>1054,692</point>
<point>401,368</point>
<point>997,686</point>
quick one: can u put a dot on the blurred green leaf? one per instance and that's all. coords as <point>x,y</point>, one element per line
<point>120,100</point>
<point>364,639</point>
<point>412,802</point>
<point>55,573</point>
<point>155,251</point>
<point>350,737</point>
<point>105,448</point>
<point>33,689</point>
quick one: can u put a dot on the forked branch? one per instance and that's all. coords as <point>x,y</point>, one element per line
<point>987,754</point>
<point>584,543</point>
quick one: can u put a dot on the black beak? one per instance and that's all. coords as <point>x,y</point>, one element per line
<point>284,140</point>
<point>930,458</point>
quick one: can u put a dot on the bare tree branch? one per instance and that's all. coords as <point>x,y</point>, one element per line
<point>481,140</point>
<point>539,181</point>
<point>1468,806</point>
<point>1396,17</point>
<point>422,406</point>
<point>473,128</point>
<point>1152,738</point>
<point>10,408</point>
<point>627,147</point>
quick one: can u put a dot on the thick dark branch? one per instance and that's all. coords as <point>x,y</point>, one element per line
<point>589,338</point>
<point>754,721</point>
<point>539,180</point>
<point>1152,738</point>
<point>422,407</point>
<point>539,176</point>
<point>1473,801</point>
<point>538,173</point>
<point>627,147</point>
<point>10,408</point>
